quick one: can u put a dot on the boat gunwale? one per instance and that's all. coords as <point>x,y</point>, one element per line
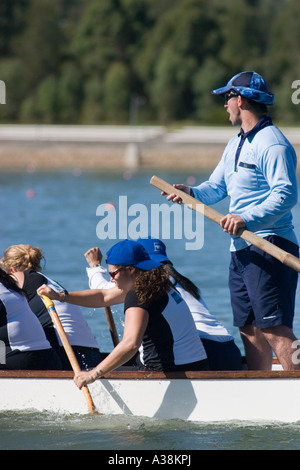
<point>155,375</point>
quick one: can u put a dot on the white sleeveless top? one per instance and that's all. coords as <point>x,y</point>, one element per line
<point>20,329</point>
<point>207,325</point>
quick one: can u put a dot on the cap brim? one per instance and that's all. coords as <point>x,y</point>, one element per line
<point>160,258</point>
<point>222,91</point>
<point>148,264</point>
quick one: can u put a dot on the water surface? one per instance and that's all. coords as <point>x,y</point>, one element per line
<point>57,212</point>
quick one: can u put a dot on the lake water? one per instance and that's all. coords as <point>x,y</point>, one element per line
<point>57,211</point>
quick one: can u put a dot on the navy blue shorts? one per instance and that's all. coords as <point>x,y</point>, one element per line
<point>262,289</point>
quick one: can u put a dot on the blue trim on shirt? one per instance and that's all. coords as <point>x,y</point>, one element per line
<point>262,123</point>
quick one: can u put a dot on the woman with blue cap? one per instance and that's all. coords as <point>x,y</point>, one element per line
<point>258,173</point>
<point>156,316</point>
<point>222,352</point>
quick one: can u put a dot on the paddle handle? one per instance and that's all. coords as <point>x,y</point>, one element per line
<point>68,348</point>
<point>273,250</point>
<point>111,325</point>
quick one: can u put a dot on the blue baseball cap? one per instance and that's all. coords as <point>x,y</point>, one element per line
<point>251,85</point>
<point>130,253</point>
<point>155,248</point>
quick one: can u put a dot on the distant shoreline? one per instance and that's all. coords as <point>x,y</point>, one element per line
<point>18,156</point>
<point>51,156</point>
<point>52,147</point>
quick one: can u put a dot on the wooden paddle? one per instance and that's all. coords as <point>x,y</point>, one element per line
<point>111,325</point>
<point>68,348</point>
<point>283,256</point>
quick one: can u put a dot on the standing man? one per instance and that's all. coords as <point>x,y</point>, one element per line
<point>258,172</point>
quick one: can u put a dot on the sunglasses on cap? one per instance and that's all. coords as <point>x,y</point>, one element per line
<point>230,95</point>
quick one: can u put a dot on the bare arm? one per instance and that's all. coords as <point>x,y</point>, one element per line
<point>136,321</point>
<point>92,298</point>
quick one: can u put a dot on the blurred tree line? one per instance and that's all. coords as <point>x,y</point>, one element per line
<point>101,61</point>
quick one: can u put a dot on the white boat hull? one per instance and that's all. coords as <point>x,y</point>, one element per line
<point>203,396</point>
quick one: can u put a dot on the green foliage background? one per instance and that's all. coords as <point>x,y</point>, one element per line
<point>91,61</point>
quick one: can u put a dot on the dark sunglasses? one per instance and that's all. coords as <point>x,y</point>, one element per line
<point>114,273</point>
<point>230,95</point>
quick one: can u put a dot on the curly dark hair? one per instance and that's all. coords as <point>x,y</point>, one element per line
<point>151,285</point>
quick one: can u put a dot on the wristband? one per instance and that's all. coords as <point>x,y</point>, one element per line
<point>99,373</point>
<point>66,293</point>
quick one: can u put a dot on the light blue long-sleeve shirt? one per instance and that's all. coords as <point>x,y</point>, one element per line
<point>262,189</point>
